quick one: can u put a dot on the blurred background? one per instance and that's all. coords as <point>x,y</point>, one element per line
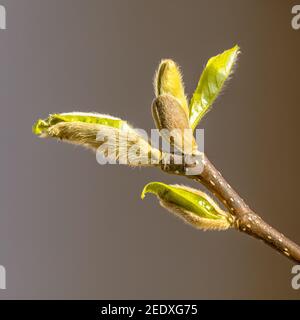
<point>72,229</point>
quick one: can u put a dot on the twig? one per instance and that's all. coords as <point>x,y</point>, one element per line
<point>245,219</point>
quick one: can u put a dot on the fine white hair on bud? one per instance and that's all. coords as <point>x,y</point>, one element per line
<point>127,146</point>
<point>195,220</point>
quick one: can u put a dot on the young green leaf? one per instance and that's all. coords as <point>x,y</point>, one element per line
<point>216,72</point>
<point>168,80</point>
<point>192,205</point>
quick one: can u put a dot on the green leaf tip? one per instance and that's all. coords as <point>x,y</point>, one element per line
<point>217,70</point>
<point>193,206</point>
<point>153,187</point>
<point>39,127</point>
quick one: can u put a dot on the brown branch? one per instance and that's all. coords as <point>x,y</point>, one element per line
<point>245,219</point>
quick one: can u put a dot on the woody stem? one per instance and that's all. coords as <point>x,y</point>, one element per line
<point>246,220</point>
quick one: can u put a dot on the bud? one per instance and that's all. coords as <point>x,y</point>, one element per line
<point>102,133</point>
<point>173,123</point>
<point>168,80</point>
<point>193,206</point>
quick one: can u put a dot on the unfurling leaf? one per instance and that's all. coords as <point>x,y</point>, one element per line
<point>173,123</point>
<point>77,127</point>
<point>41,127</point>
<point>102,133</point>
<point>168,80</point>
<point>216,72</point>
<point>193,206</point>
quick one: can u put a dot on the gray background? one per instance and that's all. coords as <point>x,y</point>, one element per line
<point>70,228</point>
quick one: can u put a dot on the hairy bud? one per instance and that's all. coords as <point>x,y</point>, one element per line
<point>191,205</point>
<point>168,80</point>
<point>172,121</point>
